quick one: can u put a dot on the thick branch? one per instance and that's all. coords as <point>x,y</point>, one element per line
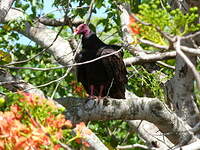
<point>90,137</point>
<point>150,134</point>
<point>180,89</point>
<point>59,22</point>
<point>5,6</point>
<point>59,48</point>
<point>187,61</point>
<point>137,108</point>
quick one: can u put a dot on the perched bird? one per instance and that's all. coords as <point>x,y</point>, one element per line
<point>103,77</point>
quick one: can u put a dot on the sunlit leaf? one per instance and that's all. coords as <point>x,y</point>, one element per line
<point>5,57</point>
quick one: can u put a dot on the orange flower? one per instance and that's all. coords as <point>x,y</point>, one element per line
<point>59,134</point>
<point>86,143</point>
<point>133,26</point>
<point>78,140</point>
<point>16,110</point>
<point>35,133</point>
<point>68,123</point>
<point>56,147</point>
<point>81,127</point>
<point>83,131</point>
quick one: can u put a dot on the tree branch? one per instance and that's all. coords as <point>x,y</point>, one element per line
<point>137,108</point>
<point>150,134</point>
<point>90,11</point>
<point>90,138</point>
<point>186,59</point>
<point>154,44</point>
<point>191,51</point>
<point>59,22</point>
<point>149,58</point>
<point>60,48</point>
<point>5,6</point>
<point>166,65</point>
<point>31,68</point>
<point>192,146</point>
<point>180,89</point>
<point>191,35</point>
<point>14,84</point>
<point>134,146</point>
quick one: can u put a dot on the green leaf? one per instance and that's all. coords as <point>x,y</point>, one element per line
<point>5,57</point>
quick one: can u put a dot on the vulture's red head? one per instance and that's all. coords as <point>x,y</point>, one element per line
<point>82,29</point>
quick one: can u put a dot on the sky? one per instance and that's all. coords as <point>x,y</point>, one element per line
<point>48,8</point>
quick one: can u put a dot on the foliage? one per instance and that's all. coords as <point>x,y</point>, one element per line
<point>31,122</point>
<point>114,133</point>
<point>77,89</point>
<point>31,7</point>
<point>143,83</point>
<point>5,57</point>
<point>173,22</point>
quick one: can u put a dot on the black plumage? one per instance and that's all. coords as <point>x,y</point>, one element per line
<point>106,76</point>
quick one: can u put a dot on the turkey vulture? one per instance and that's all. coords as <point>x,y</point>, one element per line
<point>106,76</point>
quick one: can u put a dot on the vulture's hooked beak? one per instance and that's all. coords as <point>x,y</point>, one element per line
<point>76,31</point>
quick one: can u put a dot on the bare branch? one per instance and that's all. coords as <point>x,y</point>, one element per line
<point>154,44</point>
<point>66,147</point>
<point>150,134</point>
<point>59,67</point>
<point>134,146</point>
<point>196,128</point>
<point>166,65</point>
<point>12,82</point>
<point>98,58</point>
<point>32,68</point>
<point>23,61</point>
<point>191,51</point>
<point>191,35</point>
<point>90,11</point>
<point>149,58</point>
<point>59,22</point>
<point>61,78</point>
<point>48,83</point>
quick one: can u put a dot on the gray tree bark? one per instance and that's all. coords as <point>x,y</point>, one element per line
<point>181,86</point>
<point>5,6</point>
